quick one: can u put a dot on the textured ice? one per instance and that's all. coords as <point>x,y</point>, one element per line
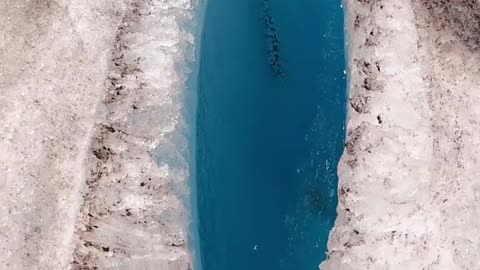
<point>92,131</point>
<point>408,179</point>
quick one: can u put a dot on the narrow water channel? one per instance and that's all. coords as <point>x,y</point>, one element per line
<point>270,131</point>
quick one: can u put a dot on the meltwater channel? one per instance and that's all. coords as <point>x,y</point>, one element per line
<point>269,132</point>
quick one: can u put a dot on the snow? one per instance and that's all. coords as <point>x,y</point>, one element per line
<point>91,92</point>
<point>409,175</point>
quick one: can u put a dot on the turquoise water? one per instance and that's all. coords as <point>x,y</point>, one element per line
<point>270,130</point>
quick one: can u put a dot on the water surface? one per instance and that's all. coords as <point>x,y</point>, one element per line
<point>270,131</point>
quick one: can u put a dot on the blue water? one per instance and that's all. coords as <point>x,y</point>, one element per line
<point>270,130</point>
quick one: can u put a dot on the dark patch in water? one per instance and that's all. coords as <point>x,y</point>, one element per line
<point>317,201</point>
<point>273,43</point>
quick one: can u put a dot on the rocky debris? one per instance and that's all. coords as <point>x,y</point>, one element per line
<point>462,17</point>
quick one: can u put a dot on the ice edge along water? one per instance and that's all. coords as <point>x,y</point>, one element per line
<point>152,47</point>
<point>83,83</point>
<point>374,109</point>
<point>408,179</point>
<point>191,112</point>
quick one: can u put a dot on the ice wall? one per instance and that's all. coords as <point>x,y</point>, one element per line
<point>409,186</point>
<point>92,134</point>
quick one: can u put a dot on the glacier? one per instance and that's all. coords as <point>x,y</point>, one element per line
<point>93,167</point>
<point>96,135</point>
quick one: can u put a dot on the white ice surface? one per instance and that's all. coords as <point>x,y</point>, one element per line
<point>91,95</point>
<point>409,177</point>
